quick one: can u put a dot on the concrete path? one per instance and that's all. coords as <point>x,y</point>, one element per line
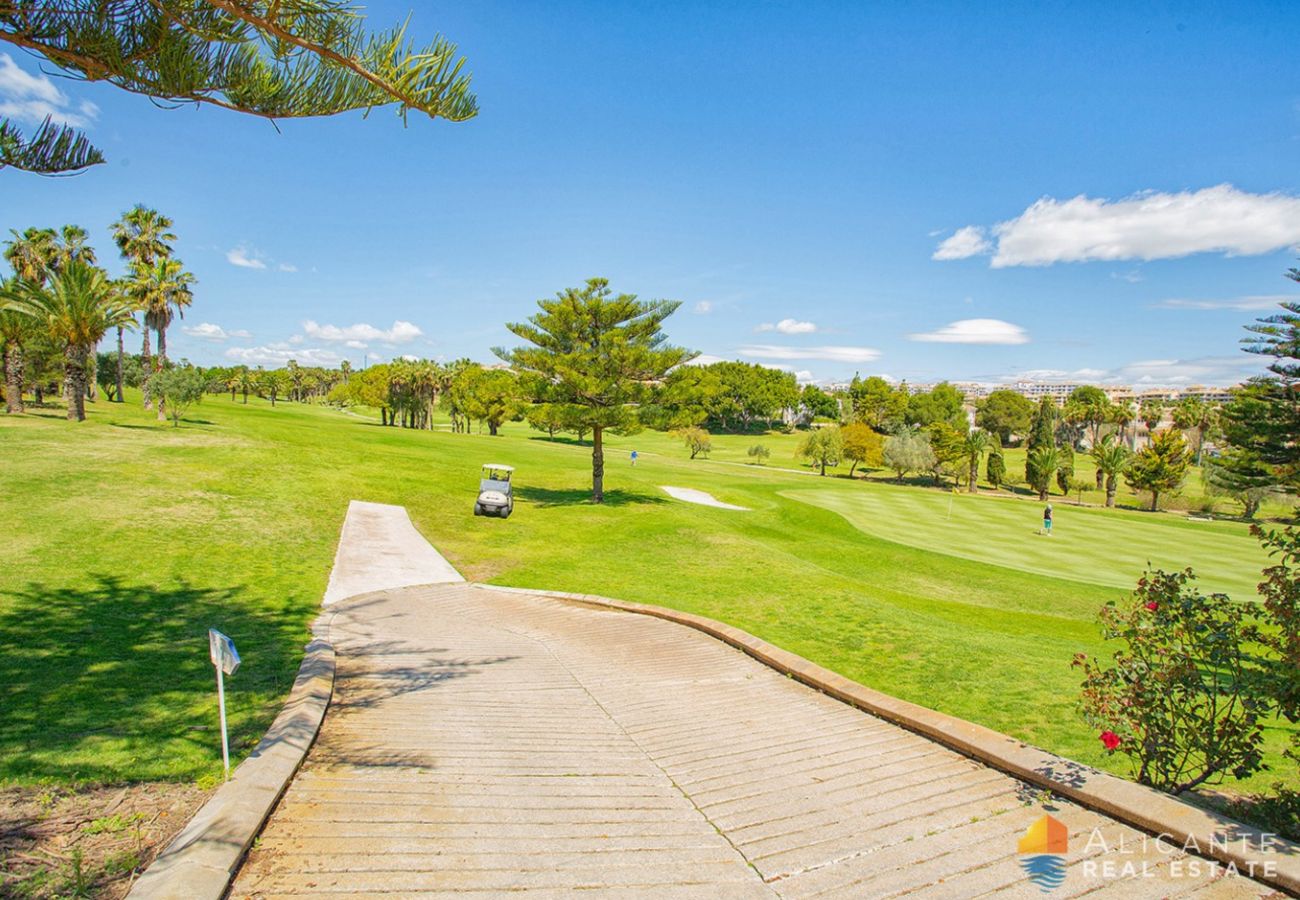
<point>380,549</point>
<point>483,743</point>
<point>704,498</point>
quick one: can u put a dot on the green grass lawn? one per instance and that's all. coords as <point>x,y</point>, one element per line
<point>128,539</point>
<point>1087,544</point>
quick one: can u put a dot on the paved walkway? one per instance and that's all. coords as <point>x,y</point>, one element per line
<point>483,742</point>
<point>379,549</point>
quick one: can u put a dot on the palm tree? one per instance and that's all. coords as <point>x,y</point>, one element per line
<point>245,381</point>
<point>162,290</point>
<point>123,321</point>
<point>295,379</point>
<point>32,254</point>
<point>1193,413</point>
<point>16,329</point>
<point>1124,414</point>
<point>1112,458</point>
<point>1040,468</point>
<point>274,383</point>
<point>72,246</point>
<point>142,236</point>
<point>77,306</point>
<point>977,442</point>
<point>171,292</point>
<point>1151,412</point>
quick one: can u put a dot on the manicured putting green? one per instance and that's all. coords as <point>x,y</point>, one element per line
<point>1095,546</point>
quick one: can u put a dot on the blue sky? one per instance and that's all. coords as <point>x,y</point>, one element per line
<point>1110,193</point>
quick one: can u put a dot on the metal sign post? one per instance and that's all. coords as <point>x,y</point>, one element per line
<point>225,658</point>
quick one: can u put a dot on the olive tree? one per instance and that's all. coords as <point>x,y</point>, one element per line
<point>908,451</point>
<point>178,389</point>
<point>822,447</point>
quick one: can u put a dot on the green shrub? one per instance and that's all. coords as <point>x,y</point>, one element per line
<point>1181,699</point>
<point>178,389</point>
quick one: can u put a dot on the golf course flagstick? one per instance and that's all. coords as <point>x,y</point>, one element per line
<point>225,659</point>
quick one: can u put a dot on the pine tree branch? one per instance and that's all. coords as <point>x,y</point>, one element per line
<point>52,150</point>
<point>276,59</point>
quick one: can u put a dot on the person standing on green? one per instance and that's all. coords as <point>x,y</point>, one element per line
<point>1047,520</point>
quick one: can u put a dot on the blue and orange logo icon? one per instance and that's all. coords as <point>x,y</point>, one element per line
<point>1042,851</point>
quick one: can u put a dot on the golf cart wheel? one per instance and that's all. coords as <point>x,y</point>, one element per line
<point>478,509</point>
<point>506,511</point>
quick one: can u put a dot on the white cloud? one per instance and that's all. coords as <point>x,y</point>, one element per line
<point>1211,370</point>
<point>1217,371</point>
<point>209,332</point>
<point>287,267</point>
<point>832,354</point>
<point>788,326</point>
<point>245,258</point>
<point>358,336</point>
<point>278,354</point>
<point>1241,304</point>
<point>1078,375</point>
<point>803,376</point>
<point>1147,225</point>
<point>968,241</point>
<point>703,308</point>
<point>705,359</point>
<point>31,98</point>
<point>975,331</point>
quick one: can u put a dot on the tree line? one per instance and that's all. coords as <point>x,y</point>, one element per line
<point>59,303</point>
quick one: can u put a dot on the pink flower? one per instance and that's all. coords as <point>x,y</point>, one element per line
<point>1152,605</point>
<point>1110,740</point>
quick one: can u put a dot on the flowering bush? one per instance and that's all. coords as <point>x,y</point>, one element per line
<point>1181,698</point>
<point>1280,632</point>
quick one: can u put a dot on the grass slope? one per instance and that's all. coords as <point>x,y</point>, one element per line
<point>132,538</point>
<point>1096,546</point>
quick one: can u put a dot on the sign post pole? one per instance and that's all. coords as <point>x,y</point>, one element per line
<point>221,702</point>
<point>225,658</point>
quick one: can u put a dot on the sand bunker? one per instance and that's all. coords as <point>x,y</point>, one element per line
<point>690,495</point>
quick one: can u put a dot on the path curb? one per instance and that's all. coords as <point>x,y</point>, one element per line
<point>201,861</point>
<point>1198,830</point>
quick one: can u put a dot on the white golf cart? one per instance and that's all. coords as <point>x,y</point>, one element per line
<point>495,497</point>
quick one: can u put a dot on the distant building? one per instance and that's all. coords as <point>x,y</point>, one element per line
<point>973,391</point>
<point>1037,390</point>
<point>1059,391</point>
<point>1208,394</point>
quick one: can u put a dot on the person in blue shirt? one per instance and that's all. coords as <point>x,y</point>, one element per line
<point>634,457</point>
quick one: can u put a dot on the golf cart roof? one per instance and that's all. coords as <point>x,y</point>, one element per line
<point>498,467</point>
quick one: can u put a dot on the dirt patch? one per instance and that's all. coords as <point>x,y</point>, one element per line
<point>87,841</point>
